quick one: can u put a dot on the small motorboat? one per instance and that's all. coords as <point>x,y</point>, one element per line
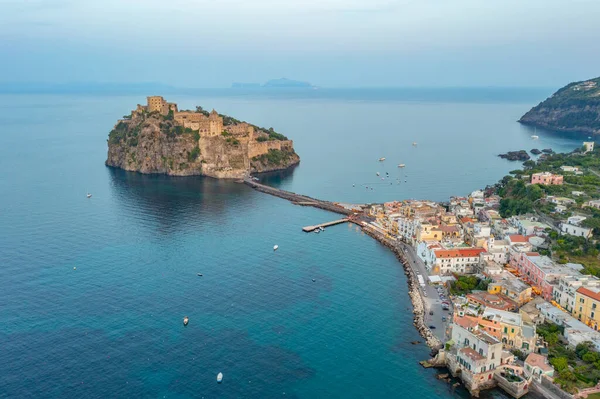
<point>381,159</point>
<point>89,195</point>
<point>414,143</point>
<point>353,185</point>
<point>313,280</point>
<point>219,377</point>
<point>199,274</point>
<point>275,247</point>
<point>322,228</point>
<point>535,137</point>
<point>186,320</point>
<point>401,165</point>
<point>317,231</point>
<point>377,173</point>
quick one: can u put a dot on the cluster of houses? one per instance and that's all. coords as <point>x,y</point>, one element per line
<point>526,288</point>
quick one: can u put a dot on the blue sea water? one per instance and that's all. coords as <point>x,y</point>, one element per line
<point>93,291</point>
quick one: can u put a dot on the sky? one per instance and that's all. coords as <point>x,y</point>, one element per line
<point>330,43</point>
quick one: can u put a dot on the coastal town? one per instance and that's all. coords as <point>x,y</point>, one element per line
<point>496,296</point>
<point>496,307</point>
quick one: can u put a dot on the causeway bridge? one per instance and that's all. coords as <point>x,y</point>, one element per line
<point>298,199</point>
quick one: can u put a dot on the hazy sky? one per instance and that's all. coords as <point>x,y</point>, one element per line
<point>332,43</point>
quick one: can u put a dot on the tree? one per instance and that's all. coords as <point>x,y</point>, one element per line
<point>552,339</point>
<point>559,363</point>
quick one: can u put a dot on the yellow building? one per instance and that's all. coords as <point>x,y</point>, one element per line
<point>429,232</point>
<point>587,306</point>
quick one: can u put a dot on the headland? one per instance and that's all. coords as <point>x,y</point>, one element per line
<point>158,138</point>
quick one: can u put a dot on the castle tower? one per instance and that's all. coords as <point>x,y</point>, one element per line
<point>215,124</point>
<point>155,103</point>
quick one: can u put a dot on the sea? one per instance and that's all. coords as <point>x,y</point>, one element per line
<point>93,291</point>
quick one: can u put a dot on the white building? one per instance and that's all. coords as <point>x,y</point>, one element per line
<point>569,168</point>
<point>576,332</point>
<point>564,292</point>
<point>461,260</point>
<point>574,230</point>
<point>589,146</point>
<point>498,249</point>
<point>593,204</point>
<point>475,353</point>
<point>576,220</point>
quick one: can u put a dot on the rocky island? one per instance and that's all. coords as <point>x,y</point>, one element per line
<point>521,155</point>
<point>574,108</point>
<point>158,138</point>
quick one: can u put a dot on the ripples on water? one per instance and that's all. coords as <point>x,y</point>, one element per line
<point>112,327</point>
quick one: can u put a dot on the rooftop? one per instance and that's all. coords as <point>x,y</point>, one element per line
<point>470,353</point>
<point>459,253</point>
<point>591,292</point>
<point>539,361</point>
<point>503,316</point>
<point>496,301</point>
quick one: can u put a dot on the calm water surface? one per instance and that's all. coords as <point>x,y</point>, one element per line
<point>94,290</point>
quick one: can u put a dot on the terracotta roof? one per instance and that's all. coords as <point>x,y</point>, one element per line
<point>589,293</point>
<point>458,253</point>
<point>539,361</point>
<point>449,229</point>
<point>495,301</point>
<point>466,322</point>
<point>467,219</point>
<point>532,254</point>
<point>517,238</point>
<point>471,353</point>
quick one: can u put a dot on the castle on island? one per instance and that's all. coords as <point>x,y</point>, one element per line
<point>208,126</point>
<point>215,145</point>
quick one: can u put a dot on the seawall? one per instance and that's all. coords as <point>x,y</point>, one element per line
<point>413,290</point>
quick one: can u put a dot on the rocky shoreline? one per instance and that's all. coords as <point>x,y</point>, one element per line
<point>413,291</point>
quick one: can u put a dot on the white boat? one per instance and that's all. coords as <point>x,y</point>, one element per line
<point>317,231</point>
<point>275,247</point>
<point>401,165</point>
<point>535,137</point>
<point>186,320</point>
<point>377,173</point>
<point>381,159</point>
<point>414,143</point>
<point>219,377</point>
<point>89,195</point>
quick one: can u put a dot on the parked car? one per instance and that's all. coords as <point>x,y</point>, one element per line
<point>432,327</point>
<point>443,318</point>
<point>431,313</point>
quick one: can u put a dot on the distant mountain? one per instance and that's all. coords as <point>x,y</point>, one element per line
<point>282,83</point>
<point>574,108</point>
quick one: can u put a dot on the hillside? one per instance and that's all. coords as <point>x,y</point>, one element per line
<point>157,138</point>
<point>574,108</point>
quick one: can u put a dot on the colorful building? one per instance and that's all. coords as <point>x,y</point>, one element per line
<point>546,178</point>
<point>587,306</point>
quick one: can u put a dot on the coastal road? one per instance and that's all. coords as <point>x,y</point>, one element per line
<point>432,300</point>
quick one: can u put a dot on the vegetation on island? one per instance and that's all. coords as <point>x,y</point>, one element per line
<point>274,157</point>
<point>518,197</point>
<point>574,369</point>
<point>575,107</point>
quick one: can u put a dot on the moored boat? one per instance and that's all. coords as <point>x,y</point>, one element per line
<point>219,377</point>
<point>186,320</point>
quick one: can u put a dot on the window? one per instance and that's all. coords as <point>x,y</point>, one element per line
<point>593,306</point>
<point>493,356</point>
<point>512,330</point>
<point>505,330</point>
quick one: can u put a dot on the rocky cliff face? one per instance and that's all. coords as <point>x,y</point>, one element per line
<point>154,143</point>
<point>574,108</point>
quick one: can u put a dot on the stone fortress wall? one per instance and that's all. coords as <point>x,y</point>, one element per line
<point>212,126</point>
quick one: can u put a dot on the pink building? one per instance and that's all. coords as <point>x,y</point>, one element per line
<point>546,178</point>
<point>541,271</point>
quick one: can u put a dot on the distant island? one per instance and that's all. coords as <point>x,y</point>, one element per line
<point>158,138</point>
<point>282,83</point>
<point>574,108</point>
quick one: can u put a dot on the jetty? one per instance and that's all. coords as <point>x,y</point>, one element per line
<point>302,200</point>
<point>308,229</point>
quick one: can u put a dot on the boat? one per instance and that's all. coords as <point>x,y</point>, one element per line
<point>535,137</point>
<point>317,231</point>
<point>381,159</point>
<point>377,173</point>
<point>275,247</point>
<point>321,228</point>
<point>89,195</point>
<point>199,274</point>
<point>401,165</point>
<point>219,377</point>
<point>186,320</point>
<point>414,143</point>
<point>313,280</point>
